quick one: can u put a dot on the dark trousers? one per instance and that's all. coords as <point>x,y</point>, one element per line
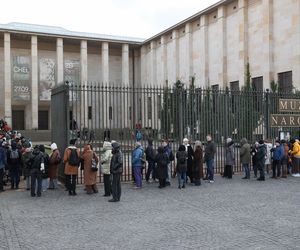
<point>247,170</point>
<point>261,169</point>
<point>107,184</point>
<point>71,183</point>
<point>228,171</point>
<point>14,177</point>
<point>151,169</point>
<point>210,169</point>
<point>162,182</point>
<point>1,178</point>
<point>276,165</point>
<point>255,169</point>
<point>116,186</point>
<point>36,177</point>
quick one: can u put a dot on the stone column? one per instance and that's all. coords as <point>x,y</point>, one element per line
<point>189,50</point>
<point>34,83</point>
<point>105,63</point>
<point>153,76</point>
<point>164,64</point>
<point>243,40</point>
<point>83,81</point>
<point>268,66</point>
<point>175,55</point>
<point>7,79</point>
<point>144,77</point>
<point>223,40</point>
<point>204,50</point>
<point>125,65</point>
<point>60,60</point>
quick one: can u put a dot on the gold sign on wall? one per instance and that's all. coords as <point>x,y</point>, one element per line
<point>289,105</point>
<point>285,120</point>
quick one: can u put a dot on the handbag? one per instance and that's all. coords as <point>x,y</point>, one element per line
<point>94,165</point>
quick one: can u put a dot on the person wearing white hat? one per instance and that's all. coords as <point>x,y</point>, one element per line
<point>105,167</point>
<point>54,161</point>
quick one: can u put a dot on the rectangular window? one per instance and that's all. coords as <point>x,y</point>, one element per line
<point>149,108</point>
<point>285,82</point>
<point>43,120</point>
<point>110,112</point>
<point>258,95</point>
<point>18,119</point>
<point>90,113</point>
<point>234,86</point>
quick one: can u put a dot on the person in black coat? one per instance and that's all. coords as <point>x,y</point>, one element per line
<point>150,158</point>
<point>190,159</point>
<point>36,163</point>
<point>14,160</point>
<point>161,160</point>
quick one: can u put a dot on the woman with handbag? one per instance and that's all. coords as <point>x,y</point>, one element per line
<point>90,170</point>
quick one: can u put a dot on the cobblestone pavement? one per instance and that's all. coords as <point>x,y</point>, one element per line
<point>229,214</point>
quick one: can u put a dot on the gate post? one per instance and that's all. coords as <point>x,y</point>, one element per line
<point>267,113</point>
<point>180,103</point>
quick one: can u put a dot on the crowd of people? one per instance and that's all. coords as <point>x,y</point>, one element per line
<point>39,168</point>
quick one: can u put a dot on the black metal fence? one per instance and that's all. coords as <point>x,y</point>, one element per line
<point>96,112</point>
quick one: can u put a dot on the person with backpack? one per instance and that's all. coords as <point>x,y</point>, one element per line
<point>105,167</point>
<point>150,157</point>
<point>162,161</point>
<point>3,163</point>
<point>54,161</point>
<point>181,167</point>
<point>137,164</point>
<point>14,160</point>
<point>116,170</point>
<point>72,161</point>
<point>261,158</point>
<point>89,158</point>
<point>37,166</point>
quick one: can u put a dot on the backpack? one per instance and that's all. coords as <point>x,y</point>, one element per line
<point>14,156</point>
<point>182,158</point>
<point>139,136</point>
<point>74,159</point>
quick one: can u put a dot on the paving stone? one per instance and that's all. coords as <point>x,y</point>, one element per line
<point>229,214</point>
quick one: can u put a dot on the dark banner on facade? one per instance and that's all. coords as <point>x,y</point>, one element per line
<point>21,78</point>
<point>72,75</point>
<point>285,120</point>
<point>47,78</point>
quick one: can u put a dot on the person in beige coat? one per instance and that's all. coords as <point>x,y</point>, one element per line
<point>105,169</point>
<point>90,176</point>
<point>71,170</point>
<point>54,161</point>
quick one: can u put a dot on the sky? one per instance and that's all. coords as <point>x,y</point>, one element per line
<point>133,18</point>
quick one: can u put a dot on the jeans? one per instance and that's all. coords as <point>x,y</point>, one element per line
<point>116,186</point>
<point>53,183</point>
<point>168,179</point>
<point>151,168</point>
<point>1,178</point>
<point>210,169</point>
<point>276,165</point>
<point>44,184</point>
<point>181,178</point>
<point>255,169</point>
<point>36,177</point>
<point>138,176</point>
<point>15,176</point>
<point>247,170</point>
<point>261,168</point>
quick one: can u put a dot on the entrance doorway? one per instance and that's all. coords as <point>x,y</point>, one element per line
<point>43,120</point>
<point>18,119</point>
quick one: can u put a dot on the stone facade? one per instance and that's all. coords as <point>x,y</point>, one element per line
<point>212,46</point>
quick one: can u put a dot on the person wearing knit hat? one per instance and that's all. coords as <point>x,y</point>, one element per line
<point>54,161</point>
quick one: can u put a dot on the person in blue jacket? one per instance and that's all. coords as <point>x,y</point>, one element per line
<point>278,153</point>
<point>137,163</point>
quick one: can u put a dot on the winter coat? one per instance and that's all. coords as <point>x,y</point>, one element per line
<point>25,160</point>
<point>162,161</point>
<point>105,161</point>
<point>230,157</point>
<point>90,177</point>
<point>150,153</point>
<point>46,164</point>
<point>198,165</point>
<point>116,164</point>
<point>210,150</point>
<point>296,150</point>
<point>54,162</point>
<point>278,153</point>
<point>245,152</point>
<point>261,154</point>
<point>13,164</point>
<point>35,159</point>
<point>268,155</point>
<point>181,167</point>
<point>3,160</point>
<point>137,155</point>
<point>69,169</point>
<point>169,153</point>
